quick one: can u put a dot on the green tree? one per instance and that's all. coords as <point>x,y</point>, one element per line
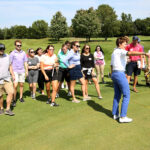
<point>58,28</point>
<point>1,34</point>
<point>39,29</point>
<point>108,19</point>
<point>86,24</point>
<point>127,26</point>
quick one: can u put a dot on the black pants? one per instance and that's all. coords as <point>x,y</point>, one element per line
<point>41,80</point>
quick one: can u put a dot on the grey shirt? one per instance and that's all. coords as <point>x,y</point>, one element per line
<point>33,61</point>
<point>4,68</point>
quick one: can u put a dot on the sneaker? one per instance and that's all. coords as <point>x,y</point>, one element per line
<point>33,96</point>
<point>62,86</point>
<point>125,120</point>
<point>53,104</point>
<point>115,117</point>
<point>76,101</point>
<point>1,111</point>
<point>69,93</point>
<point>21,100</point>
<point>13,103</point>
<point>57,95</point>
<point>87,98</point>
<point>48,101</point>
<point>100,97</point>
<point>9,112</point>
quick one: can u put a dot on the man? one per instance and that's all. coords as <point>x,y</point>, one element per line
<point>18,61</point>
<point>132,66</point>
<point>5,81</point>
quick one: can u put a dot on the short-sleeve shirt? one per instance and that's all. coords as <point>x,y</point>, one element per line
<point>48,61</point>
<point>17,59</point>
<point>137,48</point>
<point>33,61</point>
<point>4,68</point>
<point>118,59</point>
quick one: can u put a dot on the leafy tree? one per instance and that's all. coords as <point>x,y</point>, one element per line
<point>39,29</point>
<point>86,23</point>
<point>108,19</point>
<point>8,33</point>
<point>58,28</point>
<point>1,34</point>
<point>127,26</point>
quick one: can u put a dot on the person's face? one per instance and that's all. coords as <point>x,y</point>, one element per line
<point>87,49</point>
<point>123,45</point>
<point>40,52</point>
<point>18,46</point>
<point>135,42</point>
<point>98,49</point>
<point>68,46</point>
<point>2,51</point>
<point>64,49</point>
<point>76,47</point>
<point>50,51</point>
<point>32,53</point>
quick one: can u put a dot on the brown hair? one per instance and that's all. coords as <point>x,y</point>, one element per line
<point>85,47</point>
<point>74,43</point>
<point>121,40</point>
<point>19,41</point>
<point>48,47</point>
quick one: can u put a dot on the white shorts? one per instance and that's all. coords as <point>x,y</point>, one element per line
<point>19,77</point>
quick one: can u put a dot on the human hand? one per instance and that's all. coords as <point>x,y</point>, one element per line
<point>46,77</point>
<point>72,66</point>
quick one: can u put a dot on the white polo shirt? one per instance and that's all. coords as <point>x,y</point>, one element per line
<point>118,59</point>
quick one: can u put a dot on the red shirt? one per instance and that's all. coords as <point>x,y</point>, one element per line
<point>137,48</point>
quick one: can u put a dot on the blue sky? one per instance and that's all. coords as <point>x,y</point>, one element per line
<point>25,12</point>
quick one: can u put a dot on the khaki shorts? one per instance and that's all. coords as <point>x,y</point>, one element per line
<point>19,77</point>
<point>7,87</point>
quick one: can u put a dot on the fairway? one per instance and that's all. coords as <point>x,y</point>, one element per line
<point>84,126</point>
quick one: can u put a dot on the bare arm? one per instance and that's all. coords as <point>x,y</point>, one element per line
<point>43,71</point>
<point>26,68</point>
<point>11,72</point>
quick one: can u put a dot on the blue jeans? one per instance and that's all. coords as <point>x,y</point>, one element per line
<point>121,86</point>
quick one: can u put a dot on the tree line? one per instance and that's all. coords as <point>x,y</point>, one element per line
<point>100,22</point>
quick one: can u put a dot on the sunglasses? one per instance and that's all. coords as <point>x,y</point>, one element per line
<point>51,49</point>
<point>2,49</point>
<point>18,45</point>
<point>77,46</point>
<point>32,52</point>
<point>87,48</point>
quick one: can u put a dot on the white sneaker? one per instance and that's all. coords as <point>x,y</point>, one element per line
<point>125,120</point>
<point>100,97</point>
<point>76,101</point>
<point>115,117</point>
<point>69,93</point>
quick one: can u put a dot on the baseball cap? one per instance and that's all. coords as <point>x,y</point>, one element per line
<point>2,46</point>
<point>135,38</point>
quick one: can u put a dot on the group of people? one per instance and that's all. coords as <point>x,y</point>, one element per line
<point>70,64</point>
<point>47,68</point>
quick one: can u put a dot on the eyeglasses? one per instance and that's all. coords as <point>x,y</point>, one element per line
<point>32,52</point>
<point>87,48</point>
<point>51,49</point>
<point>77,46</point>
<point>18,45</point>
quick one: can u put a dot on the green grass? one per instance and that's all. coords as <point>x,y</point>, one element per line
<point>84,126</point>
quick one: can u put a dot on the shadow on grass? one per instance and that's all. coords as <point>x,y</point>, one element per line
<point>109,84</point>
<point>98,107</point>
<point>54,41</point>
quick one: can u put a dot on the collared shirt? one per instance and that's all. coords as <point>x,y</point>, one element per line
<point>17,59</point>
<point>137,48</point>
<point>118,59</point>
<point>72,58</point>
<point>62,56</point>
<point>4,68</point>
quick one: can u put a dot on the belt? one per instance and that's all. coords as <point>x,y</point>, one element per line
<point>118,71</point>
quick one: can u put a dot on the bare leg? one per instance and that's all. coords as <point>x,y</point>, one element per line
<point>48,89</point>
<point>21,89</point>
<point>97,86</point>
<point>9,99</point>
<point>34,88</point>
<point>128,78</point>
<point>72,85</point>
<point>15,90</point>
<point>86,87</point>
<point>55,89</point>
<point>97,72</point>
<point>134,84</point>
<point>1,102</point>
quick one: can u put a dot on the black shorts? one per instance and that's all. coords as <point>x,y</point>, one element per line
<point>87,75</point>
<point>52,75</point>
<point>132,67</point>
<point>63,74</point>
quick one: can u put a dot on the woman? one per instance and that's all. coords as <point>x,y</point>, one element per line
<point>72,61</point>
<point>63,70</point>
<point>49,69</point>
<point>87,64</point>
<point>99,63</point>
<point>33,66</point>
<point>121,86</point>
<point>38,54</point>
